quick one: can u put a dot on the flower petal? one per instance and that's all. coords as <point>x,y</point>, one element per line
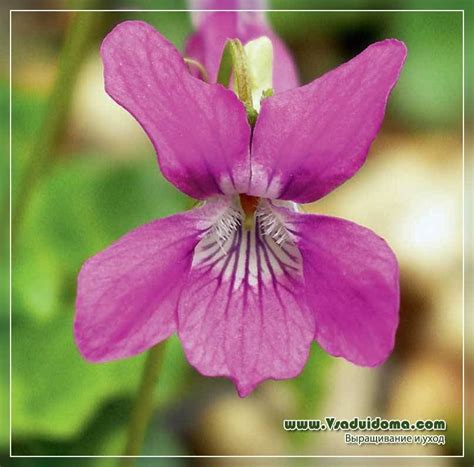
<point>198,16</point>
<point>285,75</point>
<point>207,43</point>
<point>309,140</point>
<point>242,313</point>
<point>352,286</point>
<point>199,130</point>
<point>127,294</point>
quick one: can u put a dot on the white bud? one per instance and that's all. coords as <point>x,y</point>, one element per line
<point>260,63</point>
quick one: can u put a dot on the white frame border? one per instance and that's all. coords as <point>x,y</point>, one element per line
<point>239,456</point>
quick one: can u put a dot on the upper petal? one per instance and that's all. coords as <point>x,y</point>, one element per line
<point>352,286</point>
<point>207,43</point>
<point>309,140</point>
<point>127,294</point>
<point>199,130</point>
<point>242,313</point>
<point>285,75</point>
<point>199,15</point>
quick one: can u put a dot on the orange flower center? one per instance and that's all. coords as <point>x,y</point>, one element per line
<point>249,206</point>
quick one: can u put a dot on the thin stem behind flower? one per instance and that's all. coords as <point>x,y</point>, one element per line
<point>143,405</point>
<point>81,30</point>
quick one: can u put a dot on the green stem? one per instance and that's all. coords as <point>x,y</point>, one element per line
<point>82,29</point>
<point>143,405</point>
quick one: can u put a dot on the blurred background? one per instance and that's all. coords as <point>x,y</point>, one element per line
<point>84,173</point>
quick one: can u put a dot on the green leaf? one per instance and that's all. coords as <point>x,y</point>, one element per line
<point>311,385</point>
<point>54,390</point>
<point>4,161</point>
<point>310,388</point>
<point>175,26</point>
<point>4,380</point>
<point>429,92</point>
<point>79,208</point>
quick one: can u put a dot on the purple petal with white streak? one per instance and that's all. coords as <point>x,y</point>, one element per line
<point>242,313</point>
<point>127,293</point>
<point>352,286</point>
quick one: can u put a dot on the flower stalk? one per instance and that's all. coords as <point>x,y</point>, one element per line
<point>143,405</point>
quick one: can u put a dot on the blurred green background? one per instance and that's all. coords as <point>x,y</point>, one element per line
<point>101,180</point>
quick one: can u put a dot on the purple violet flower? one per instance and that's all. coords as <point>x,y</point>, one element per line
<point>246,280</point>
<point>213,28</point>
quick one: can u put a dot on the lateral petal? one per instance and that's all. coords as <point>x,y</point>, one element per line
<point>127,293</point>
<point>352,286</point>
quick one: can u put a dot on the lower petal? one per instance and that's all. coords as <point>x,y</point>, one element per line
<point>127,294</point>
<point>242,313</point>
<point>352,286</point>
